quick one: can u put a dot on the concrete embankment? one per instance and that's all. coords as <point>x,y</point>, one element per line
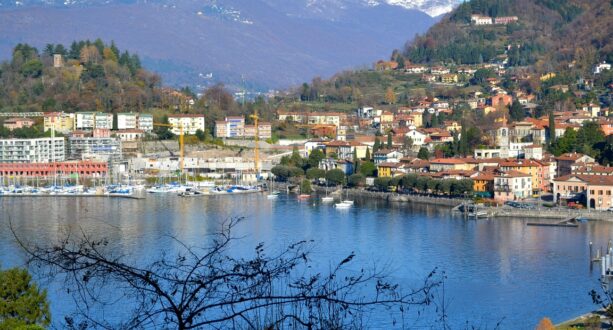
<point>544,213</point>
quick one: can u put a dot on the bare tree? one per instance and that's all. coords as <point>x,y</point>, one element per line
<point>208,288</point>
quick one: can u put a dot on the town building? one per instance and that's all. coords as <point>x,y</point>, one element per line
<point>16,123</point>
<point>264,131</point>
<point>230,127</point>
<point>512,185</point>
<point>145,122</point>
<point>42,150</point>
<point>69,168</point>
<point>127,120</point>
<point>96,148</point>
<point>190,123</point>
<point>596,190</point>
<point>59,121</point>
<point>129,134</point>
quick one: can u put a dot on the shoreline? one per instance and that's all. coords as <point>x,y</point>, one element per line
<point>451,203</point>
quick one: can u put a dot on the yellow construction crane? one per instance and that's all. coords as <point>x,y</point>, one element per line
<point>181,142</point>
<point>256,150</point>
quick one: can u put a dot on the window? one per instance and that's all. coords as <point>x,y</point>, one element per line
<point>591,192</point>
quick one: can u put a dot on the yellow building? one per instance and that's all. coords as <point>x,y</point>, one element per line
<point>386,170</point>
<point>61,122</point>
<point>484,183</point>
<point>449,78</point>
<point>530,167</point>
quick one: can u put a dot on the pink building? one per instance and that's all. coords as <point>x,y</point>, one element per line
<point>15,123</point>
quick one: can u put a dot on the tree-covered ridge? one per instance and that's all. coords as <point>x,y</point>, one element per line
<point>92,76</point>
<point>542,34</point>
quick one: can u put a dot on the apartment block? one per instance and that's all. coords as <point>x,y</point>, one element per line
<point>190,123</point>
<point>41,150</point>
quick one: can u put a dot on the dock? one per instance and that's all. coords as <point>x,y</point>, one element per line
<point>572,223</point>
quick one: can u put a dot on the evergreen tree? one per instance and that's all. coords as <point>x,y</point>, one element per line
<point>390,141</point>
<point>423,153</point>
<point>552,129</point>
<point>22,304</point>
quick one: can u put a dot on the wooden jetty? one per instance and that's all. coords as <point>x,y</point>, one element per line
<point>571,223</point>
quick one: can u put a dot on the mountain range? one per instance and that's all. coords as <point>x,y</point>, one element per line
<point>261,44</point>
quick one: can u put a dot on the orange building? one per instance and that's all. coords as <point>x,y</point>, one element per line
<point>82,168</point>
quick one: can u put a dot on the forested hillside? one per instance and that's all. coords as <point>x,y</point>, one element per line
<point>548,34</point>
<point>92,76</point>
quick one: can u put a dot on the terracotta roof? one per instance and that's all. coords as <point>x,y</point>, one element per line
<point>604,180</point>
<point>448,161</point>
<point>570,156</point>
<point>389,164</point>
<point>513,174</point>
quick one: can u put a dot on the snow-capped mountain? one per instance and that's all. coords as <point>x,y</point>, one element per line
<point>271,43</point>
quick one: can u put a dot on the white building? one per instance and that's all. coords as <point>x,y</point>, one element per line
<point>43,150</point>
<point>129,134</point>
<point>103,120</point>
<point>127,120</point>
<point>512,185</point>
<point>145,122</point>
<point>84,120</point>
<point>189,122</point>
<point>481,20</point>
<point>602,67</point>
<point>418,138</point>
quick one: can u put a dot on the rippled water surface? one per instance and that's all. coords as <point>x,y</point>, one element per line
<point>496,270</point>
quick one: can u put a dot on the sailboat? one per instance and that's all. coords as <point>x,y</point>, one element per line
<point>327,199</point>
<point>346,201</point>
<point>273,193</point>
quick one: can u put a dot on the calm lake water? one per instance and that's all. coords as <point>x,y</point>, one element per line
<point>496,270</point>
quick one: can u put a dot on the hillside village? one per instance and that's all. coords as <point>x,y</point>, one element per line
<point>495,130</point>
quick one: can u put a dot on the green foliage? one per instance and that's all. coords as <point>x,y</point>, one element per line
<point>516,111</point>
<point>335,177</point>
<point>315,173</point>
<point>32,68</point>
<point>22,304</point>
<point>283,172</point>
<point>368,169</point>
<point>305,187</point>
<point>200,135</point>
<point>356,180</point>
<point>568,10</point>
<point>315,157</point>
<point>390,142</point>
<point>382,183</point>
<point>423,153</point>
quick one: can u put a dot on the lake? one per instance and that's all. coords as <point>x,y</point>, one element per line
<point>497,270</point>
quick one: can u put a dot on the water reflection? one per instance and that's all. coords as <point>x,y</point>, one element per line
<point>497,268</point>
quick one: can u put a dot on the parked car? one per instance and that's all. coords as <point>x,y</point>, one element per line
<point>610,209</point>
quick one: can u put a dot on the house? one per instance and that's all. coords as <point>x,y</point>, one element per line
<point>313,144</point>
<point>500,100</point>
<point>340,149</point>
<point>481,20</point>
<point>16,123</point>
<point>439,70</point>
<point>386,65</point>
<point>483,184</point>
<point>602,67</point>
<point>504,20</point>
<point>417,136</point>
<point>346,166</point>
<point>387,117</point>
<point>597,189</point>
<point>415,69</point>
<point>512,185</point>
<point>129,134</point>
<point>386,170</point>
<point>450,78</point>
<point>565,162</point>
<point>452,126</point>
<point>445,164</point>
<point>387,156</point>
